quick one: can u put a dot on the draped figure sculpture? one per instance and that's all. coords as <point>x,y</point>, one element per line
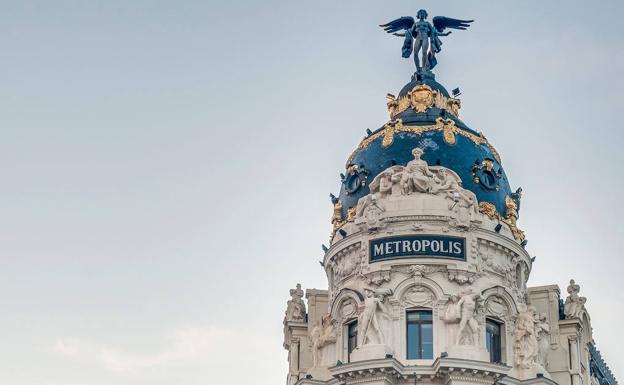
<point>417,176</point>
<point>526,347</point>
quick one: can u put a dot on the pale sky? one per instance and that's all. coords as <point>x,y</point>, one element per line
<point>166,167</point>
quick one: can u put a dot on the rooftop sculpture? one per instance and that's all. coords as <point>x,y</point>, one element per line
<point>422,36</point>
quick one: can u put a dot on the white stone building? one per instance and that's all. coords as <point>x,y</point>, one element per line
<point>427,268</point>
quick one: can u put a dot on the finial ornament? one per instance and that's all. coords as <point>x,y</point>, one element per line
<point>422,37</point>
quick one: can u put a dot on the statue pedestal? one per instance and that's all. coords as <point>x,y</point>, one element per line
<point>370,352</point>
<point>319,373</point>
<point>468,352</point>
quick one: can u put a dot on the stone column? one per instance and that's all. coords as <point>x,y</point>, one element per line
<point>574,359</point>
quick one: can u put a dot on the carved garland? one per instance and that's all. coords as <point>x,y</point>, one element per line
<point>447,126</point>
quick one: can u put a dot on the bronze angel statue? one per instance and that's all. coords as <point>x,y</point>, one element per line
<point>422,36</point>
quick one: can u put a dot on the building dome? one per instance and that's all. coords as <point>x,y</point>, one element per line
<point>425,116</point>
<point>426,269</point>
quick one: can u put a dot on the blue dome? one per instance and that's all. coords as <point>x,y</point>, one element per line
<point>446,142</point>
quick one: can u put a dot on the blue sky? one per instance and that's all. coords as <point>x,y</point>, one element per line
<point>167,164</point>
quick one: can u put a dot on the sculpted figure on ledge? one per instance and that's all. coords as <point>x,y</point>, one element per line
<point>543,331</point>
<point>574,304</point>
<point>417,178</point>
<point>296,309</point>
<point>530,342</point>
<point>323,334</point>
<point>468,325</point>
<point>463,308</point>
<point>374,308</point>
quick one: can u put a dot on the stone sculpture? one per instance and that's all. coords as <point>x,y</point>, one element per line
<point>467,307</point>
<point>526,347</point>
<point>417,177</point>
<point>574,304</point>
<point>372,212</point>
<point>463,309</point>
<point>296,309</point>
<point>323,334</point>
<point>369,322</point>
<point>543,331</point>
<point>343,264</point>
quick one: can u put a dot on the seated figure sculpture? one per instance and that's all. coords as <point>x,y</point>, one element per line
<point>417,177</point>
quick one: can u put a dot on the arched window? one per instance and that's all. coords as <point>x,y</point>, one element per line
<point>419,334</point>
<point>494,340</point>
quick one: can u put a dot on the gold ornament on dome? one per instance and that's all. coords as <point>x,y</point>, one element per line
<point>421,98</point>
<point>448,131</point>
<point>512,210</point>
<point>351,214</point>
<point>453,106</point>
<point>489,210</point>
<point>447,126</point>
<point>388,137</point>
<point>337,215</point>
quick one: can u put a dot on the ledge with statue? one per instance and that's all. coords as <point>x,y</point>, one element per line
<point>530,334</point>
<point>418,198</point>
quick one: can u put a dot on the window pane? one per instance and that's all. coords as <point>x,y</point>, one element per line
<point>419,334</point>
<point>419,315</point>
<point>413,335</point>
<point>351,337</point>
<point>427,341</point>
<point>493,340</point>
<point>353,329</point>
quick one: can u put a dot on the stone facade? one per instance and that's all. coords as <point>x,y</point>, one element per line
<point>541,342</point>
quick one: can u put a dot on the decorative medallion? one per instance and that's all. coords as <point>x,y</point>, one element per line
<point>349,308</point>
<point>486,176</point>
<point>496,306</point>
<point>419,296</point>
<point>421,97</point>
<point>355,179</point>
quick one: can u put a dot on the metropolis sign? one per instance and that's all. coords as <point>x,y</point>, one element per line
<point>417,246</point>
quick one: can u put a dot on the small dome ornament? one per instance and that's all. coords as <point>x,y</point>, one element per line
<point>485,175</point>
<point>355,178</point>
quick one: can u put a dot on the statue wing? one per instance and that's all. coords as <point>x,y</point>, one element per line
<point>402,23</point>
<point>442,22</point>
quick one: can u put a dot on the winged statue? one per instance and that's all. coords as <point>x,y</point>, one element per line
<point>422,36</point>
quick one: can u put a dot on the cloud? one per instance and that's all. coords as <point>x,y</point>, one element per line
<point>209,347</point>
